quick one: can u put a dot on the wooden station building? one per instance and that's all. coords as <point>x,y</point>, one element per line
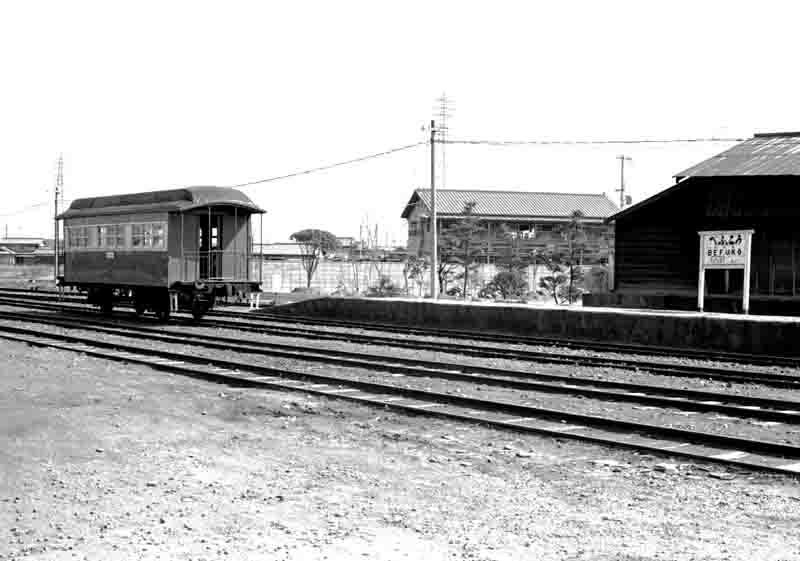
<point>753,185</point>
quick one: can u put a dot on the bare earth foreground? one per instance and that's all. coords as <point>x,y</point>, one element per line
<point>108,461</point>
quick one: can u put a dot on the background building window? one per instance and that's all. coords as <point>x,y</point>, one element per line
<point>527,231</point>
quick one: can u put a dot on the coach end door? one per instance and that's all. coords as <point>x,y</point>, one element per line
<point>210,244</point>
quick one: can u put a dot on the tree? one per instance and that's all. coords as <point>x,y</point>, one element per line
<point>553,282</point>
<point>564,263</point>
<point>462,243</point>
<point>415,269</point>
<point>573,233</point>
<point>314,244</point>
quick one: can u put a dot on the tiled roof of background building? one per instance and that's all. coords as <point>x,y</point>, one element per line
<point>511,204</point>
<point>764,154</point>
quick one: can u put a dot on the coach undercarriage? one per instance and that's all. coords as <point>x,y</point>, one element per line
<point>196,298</point>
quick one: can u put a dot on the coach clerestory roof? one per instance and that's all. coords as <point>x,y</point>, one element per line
<point>171,200</point>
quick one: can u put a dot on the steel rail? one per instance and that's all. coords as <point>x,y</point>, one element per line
<point>665,369</point>
<point>697,445</point>
<point>571,343</point>
<point>693,400</point>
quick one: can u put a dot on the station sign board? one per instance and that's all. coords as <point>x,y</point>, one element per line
<point>725,249</point>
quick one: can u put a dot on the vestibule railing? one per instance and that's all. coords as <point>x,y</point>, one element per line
<point>215,264</point>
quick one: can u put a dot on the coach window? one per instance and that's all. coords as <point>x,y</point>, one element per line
<point>150,235</point>
<point>158,235</point>
<point>111,236</point>
<point>78,237</point>
<point>118,235</point>
<point>138,236</point>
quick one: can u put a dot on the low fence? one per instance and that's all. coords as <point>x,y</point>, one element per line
<point>330,277</point>
<point>21,273</point>
<point>350,277</point>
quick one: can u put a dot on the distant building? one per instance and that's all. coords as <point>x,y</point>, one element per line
<point>532,219</point>
<point>25,244</point>
<point>7,257</point>
<point>349,249</point>
<point>27,251</point>
<point>280,251</point>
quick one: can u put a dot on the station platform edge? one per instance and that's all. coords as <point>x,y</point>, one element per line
<point>773,335</point>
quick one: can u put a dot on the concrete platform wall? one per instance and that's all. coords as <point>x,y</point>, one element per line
<point>693,330</point>
<point>759,305</point>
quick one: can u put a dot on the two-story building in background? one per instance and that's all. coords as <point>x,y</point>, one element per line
<point>533,220</point>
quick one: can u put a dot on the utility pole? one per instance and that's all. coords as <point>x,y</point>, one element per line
<point>622,159</point>
<point>444,107</point>
<point>58,191</point>
<point>434,234</point>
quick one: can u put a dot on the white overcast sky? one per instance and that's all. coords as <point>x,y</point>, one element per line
<point>153,95</point>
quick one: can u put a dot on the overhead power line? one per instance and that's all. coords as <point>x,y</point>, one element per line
<point>571,142</point>
<point>488,143</point>
<point>25,209</point>
<point>330,166</point>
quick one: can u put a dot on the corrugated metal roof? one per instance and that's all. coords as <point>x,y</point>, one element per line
<point>514,204</point>
<point>170,200</point>
<point>764,154</point>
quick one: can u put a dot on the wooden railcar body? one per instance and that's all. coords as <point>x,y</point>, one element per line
<point>164,250</point>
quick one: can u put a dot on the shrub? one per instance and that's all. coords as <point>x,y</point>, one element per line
<point>506,284</point>
<point>385,287</point>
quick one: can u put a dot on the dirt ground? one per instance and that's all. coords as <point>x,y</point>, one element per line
<point>107,461</point>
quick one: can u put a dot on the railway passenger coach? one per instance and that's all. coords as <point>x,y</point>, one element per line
<point>162,251</point>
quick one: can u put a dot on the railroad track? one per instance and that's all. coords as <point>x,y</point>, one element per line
<point>482,351</point>
<point>765,409</point>
<point>585,344</point>
<point>731,450</point>
<point>597,346</point>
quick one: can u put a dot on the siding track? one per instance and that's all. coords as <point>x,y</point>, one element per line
<point>765,409</point>
<point>454,334</point>
<point>753,454</point>
<point>477,350</point>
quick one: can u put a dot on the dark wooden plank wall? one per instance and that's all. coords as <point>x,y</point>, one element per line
<point>657,247</point>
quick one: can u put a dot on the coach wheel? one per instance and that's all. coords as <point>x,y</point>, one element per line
<point>107,305</point>
<point>198,309</point>
<point>139,307</point>
<point>163,313</point>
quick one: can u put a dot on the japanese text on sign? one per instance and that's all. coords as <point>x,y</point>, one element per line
<point>724,249</point>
